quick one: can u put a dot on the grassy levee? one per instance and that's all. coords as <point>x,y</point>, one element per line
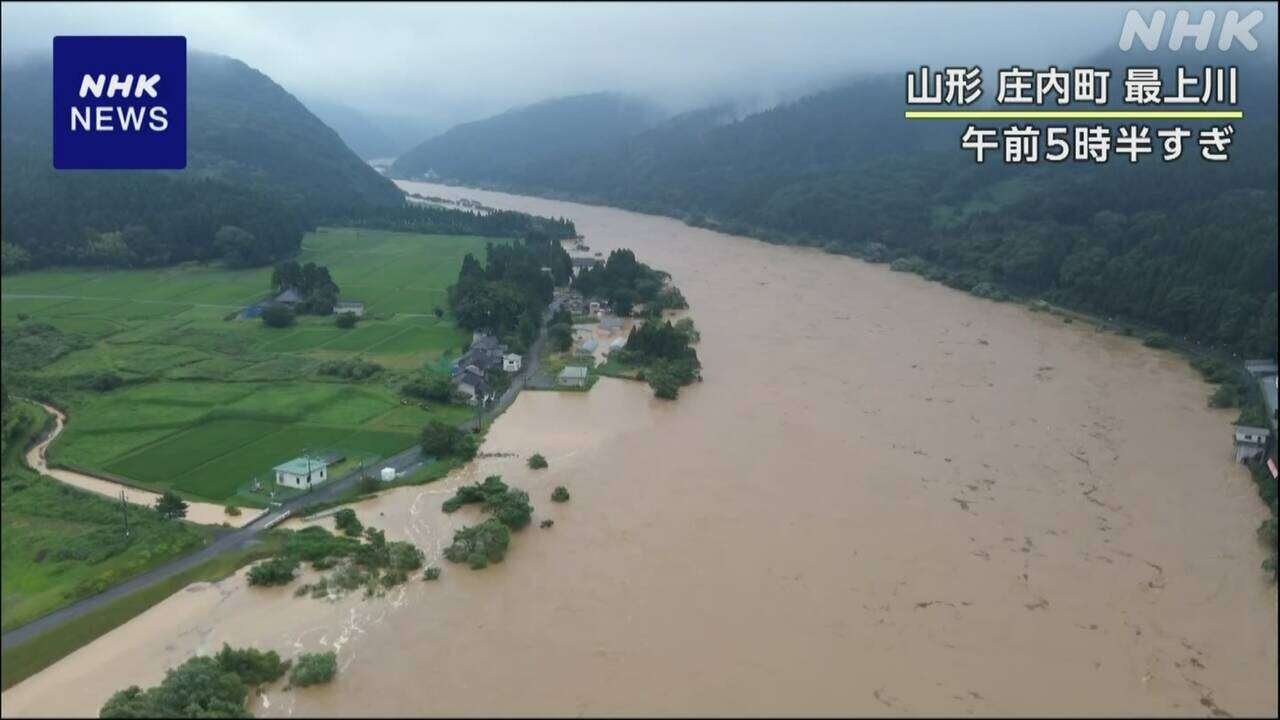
<point>22,661</point>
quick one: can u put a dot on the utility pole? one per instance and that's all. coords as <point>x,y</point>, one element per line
<point>124,510</point>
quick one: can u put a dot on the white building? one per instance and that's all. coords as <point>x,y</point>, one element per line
<point>388,474</point>
<point>353,308</point>
<point>573,376</point>
<point>511,362</point>
<point>1251,442</point>
<point>301,473</point>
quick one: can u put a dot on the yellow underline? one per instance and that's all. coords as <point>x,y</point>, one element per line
<point>1073,115</point>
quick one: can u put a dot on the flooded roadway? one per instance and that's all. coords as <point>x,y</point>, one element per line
<point>887,497</point>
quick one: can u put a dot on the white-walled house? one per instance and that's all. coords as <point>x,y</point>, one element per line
<point>301,473</point>
<point>511,362</point>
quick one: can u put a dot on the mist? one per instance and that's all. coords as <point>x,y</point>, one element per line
<point>437,65</point>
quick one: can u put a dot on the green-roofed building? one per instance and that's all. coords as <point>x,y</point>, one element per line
<point>302,472</point>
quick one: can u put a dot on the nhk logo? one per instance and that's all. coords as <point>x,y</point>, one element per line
<point>120,103</point>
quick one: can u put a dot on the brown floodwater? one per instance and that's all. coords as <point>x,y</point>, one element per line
<point>887,497</point>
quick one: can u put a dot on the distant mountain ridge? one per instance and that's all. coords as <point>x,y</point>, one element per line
<point>519,144</point>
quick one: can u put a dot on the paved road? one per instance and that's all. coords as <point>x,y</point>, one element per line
<point>404,462</point>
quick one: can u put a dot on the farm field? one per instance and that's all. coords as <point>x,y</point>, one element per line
<point>211,402</point>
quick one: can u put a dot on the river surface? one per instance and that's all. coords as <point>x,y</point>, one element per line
<point>886,498</point>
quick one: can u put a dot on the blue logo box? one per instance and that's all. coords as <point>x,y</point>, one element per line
<point>119,102</point>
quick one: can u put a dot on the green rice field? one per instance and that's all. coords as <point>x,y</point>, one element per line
<point>211,402</point>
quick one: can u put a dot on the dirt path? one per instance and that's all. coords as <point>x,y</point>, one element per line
<point>205,513</point>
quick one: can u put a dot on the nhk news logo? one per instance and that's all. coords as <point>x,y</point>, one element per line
<point>120,102</point>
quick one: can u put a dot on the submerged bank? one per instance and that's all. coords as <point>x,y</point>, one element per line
<point>887,497</point>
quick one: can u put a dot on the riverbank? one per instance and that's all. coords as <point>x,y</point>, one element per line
<point>886,498</point>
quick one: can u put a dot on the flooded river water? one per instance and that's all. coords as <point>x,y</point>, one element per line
<point>887,497</point>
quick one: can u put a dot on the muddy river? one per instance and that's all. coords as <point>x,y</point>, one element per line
<point>887,497</point>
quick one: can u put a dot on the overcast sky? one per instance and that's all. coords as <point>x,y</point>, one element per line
<point>452,63</point>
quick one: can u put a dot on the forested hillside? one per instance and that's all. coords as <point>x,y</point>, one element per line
<point>1189,246</point>
<point>258,162</point>
<point>527,143</point>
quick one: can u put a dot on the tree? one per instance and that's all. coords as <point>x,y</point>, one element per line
<point>479,545</point>
<point>314,669</point>
<point>346,521</point>
<point>171,506</point>
<point>238,247</point>
<point>345,320</point>
<point>277,316</point>
<point>560,494</point>
<point>537,462</point>
<point>254,667</point>
<point>440,439</point>
<point>198,688</point>
<point>434,387</point>
<point>272,572</point>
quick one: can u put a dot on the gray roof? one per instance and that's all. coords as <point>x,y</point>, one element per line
<point>574,372</point>
<point>1252,430</point>
<point>288,296</point>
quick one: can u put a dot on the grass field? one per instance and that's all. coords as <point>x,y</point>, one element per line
<point>59,544</point>
<point>210,403</point>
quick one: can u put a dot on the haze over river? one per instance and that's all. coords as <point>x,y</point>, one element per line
<point>887,497</point>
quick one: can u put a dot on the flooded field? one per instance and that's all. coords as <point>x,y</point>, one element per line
<point>886,497</point>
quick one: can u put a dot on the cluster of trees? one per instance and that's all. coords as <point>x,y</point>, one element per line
<point>509,505</point>
<point>507,294</point>
<point>479,545</point>
<point>432,386</point>
<point>437,220</point>
<point>440,439</point>
<point>206,687</point>
<point>315,287</point>
<point>626,282</point>
<point>665,354</point>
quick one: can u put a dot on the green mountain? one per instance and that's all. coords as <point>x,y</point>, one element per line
<point>370,136</point>
<point>524,144</point>
<point>258,160</point>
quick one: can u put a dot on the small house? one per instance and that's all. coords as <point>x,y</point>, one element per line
<point>593,307</point>
<point>588,347</point>
<point>388,474</point>
<point>511,362</point>
<point>352,308</point>
<point>302,472</point>
<point>572,376</point>
<point>610,323</point>
<point>1251,442</point>
<point>473,386</point>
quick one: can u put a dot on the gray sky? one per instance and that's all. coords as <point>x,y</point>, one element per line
<point>452,63</point>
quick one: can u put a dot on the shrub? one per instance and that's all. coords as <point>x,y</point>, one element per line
<point>1157,340</point>
<point>537,462</point>
<point>345,320</point>
<point>546,524</point>
<point>276,571</point>
<point>442,439</point>
<point>346,521</point>
<point>102,382</point>
<point>479,545</point>
<point>351,369</point>
<point>1224,396</point>
<point>254,667</point>
<point>434,387</point>
<point>989,291</point>
<point>560,494</point>
<point>277,316</point>
<point>232,510</point>
<point>912,264</point>
<point>368,485</point>
<point>431,573</point>
<point>511,508</point>
<point>314,669</point>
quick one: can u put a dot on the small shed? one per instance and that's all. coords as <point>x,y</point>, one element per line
<point>1251,442</point>
<point>302,472</point>
<point>511,362</point>
<point>388,474</point>
<point>573,376</point>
